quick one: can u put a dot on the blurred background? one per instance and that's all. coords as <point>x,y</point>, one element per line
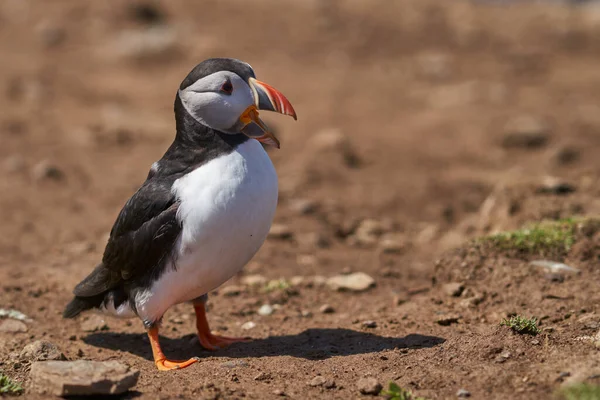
<point>414,112</point>
<point>421,123</point>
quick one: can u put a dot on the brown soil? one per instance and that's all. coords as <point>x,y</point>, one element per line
<point>403,111</point>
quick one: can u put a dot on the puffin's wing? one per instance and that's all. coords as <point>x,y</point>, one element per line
<point>141,239</point>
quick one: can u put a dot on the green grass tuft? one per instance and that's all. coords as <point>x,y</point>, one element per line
<point>580,391</point>
<point>395,392</point>
<point>522,325</point>
<point>8,386</point>
<point>541,238</point>
<point>276,284</point>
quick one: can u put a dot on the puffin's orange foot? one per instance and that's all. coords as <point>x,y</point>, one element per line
<point>214,342</point>
<point>167,365</point>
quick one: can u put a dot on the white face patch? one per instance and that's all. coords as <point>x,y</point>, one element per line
<point>208,105</point>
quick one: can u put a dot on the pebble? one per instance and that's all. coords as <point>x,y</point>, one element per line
<point>41,350</point>
<point>313,240</point>
<point>297,280</point>
<point>278,392</point>
<point>13,314</point>
<point>326,309</point>
<point>554,267</point>
<point>552,185</point>
<point>502,357</point>
<point>369,324</point>
<point>355,282</point>
<point>446,320</point>
<point>322,381</point>
<point>369,386</point>
<point>463,393</point>
<point>453,289</point>
<point>254,280</point>
<point>280,231</point>
<point>265,309</point>
<point>12,326</point>
<point>81,378</point>
<point>303,206</point>
<point>248,325</point>
<point>46,170</point>
<point>392,244</point>
<point>368,231</point>
<point>527,132</point>
<point>263,376</point>
<point>94,323</point>
<point>231,290</point>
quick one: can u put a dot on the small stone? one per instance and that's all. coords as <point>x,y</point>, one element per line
<point>248,325</point>
<point>81,378</point>
<point>326,309</point>
<point>41,350</point>
<point>527,132</point>
<point>317,381</point>
<point>14,314</point>
<point>280,232</point>
<point>446,320</point>
<point>93,324</point>
<point>46,170</point>
<point>303,206</point>
<point>297,280</point>
<point>368,232</point>
<point>552,185</point>
<point>313,240</point>
<point>278,392</point>
<point>306,314</point>
<point>263,376</point>
<point>453,289</point>
<point>254,280</point>
<point>12,326</point>
<point>369,386</point>
<point>369,324</point>
<point>502,357</point>
<point>231,290</point>
<point>392,244</point>
<point>322,381</point>
<point>554,267</point>
<point>463,393</point>
<point>355,282</point>
<point>265,309</point>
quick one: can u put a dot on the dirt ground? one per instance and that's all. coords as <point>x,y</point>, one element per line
<point>436,122</point>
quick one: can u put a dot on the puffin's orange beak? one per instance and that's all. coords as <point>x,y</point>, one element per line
<point>267,98</point>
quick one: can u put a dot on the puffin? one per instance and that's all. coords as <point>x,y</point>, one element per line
<point>202,213</point>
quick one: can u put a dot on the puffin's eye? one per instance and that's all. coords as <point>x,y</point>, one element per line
<point>227,87</point>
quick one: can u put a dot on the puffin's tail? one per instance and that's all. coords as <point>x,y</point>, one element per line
<point>80,304</point>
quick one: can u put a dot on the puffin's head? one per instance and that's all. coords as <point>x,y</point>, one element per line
<point>224,94</point>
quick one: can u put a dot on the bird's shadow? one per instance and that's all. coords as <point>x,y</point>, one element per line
<point>312,344</point>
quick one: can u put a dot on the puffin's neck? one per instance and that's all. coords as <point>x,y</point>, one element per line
<point>195,143</point>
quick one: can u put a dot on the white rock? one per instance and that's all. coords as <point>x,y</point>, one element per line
<point>356,282</point>
<point>248,325</point>
<point>265,309</point>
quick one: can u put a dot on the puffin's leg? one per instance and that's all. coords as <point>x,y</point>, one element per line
<point>207,339</point>
<point>160,360</point>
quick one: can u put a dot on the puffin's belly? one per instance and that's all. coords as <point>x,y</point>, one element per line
<point>226,209</point>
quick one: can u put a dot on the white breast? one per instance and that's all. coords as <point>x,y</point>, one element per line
<point>226,208</point>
